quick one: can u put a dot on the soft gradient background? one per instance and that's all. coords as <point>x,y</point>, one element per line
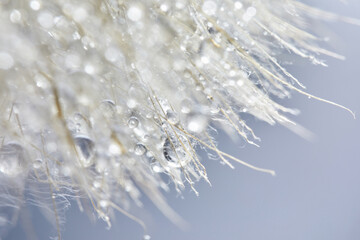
<point>316,193</point>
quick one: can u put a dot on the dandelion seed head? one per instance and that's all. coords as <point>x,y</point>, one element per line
<point>106,100</point>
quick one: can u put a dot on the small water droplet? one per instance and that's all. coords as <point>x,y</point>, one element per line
<point>146,237</point>
<point>96,184</point>
<point>197,123</point>
<point>114,149</point>
<point>37,163</point>
<point>140,149</point>
<point>104,203</point>
<point>6,61</point>
<point>133,122</point>
<point>135,13</point>
<point>35,5</point>
<point>186,106</point>
<point>132,103</point>
<point>156,167</point>
<point>108,108</point>
<point>238,5</point>
<point>175,153</point>
<point>209,7</point>
<point>46,19</point>
<point>15,16</point>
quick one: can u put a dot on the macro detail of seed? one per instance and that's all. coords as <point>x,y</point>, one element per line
<point>103,100</point>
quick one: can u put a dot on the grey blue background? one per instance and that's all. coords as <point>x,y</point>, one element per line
<point>316,193</point>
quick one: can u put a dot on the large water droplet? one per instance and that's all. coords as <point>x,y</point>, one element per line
<point>175,153</point>
<point>85,148</point>
<point>12,159</point>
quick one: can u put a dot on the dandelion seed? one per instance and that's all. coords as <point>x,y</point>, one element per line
<point>122,93</point>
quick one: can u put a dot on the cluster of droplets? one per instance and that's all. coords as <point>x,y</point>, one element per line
<point>102,99</point>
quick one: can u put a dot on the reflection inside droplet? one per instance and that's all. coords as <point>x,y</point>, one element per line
<point>85,148</point>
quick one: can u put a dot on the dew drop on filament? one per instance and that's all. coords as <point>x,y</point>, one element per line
<point>133,122</point>
<point>12,159</point>
<point>197,123</point>
<point>140,149</point>
<point>172,117</point>
<point>37,164</point>
<point>85,148</point>
<point>175,153</point>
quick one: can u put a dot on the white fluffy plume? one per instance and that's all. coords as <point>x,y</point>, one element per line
<point>102,100</point>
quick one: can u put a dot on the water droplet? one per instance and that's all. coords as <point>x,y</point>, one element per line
<point>132,103</point>
<point>133,122</point>
<point>164,7</point>
<point>85,148</point>
<point>140,149</point>
<point>96,184</point>
<point>172,117</point>
<point>197,123</point>
<point>104,203</point>
<point>89,69</point>
<point>209,7</point>
<point>249,14</point>
<point>186,106</point>
<point>12,159</point>
<point>107,108</point>
<point>72,61</point>
<point>146,237</point>
<point>240,83</point>
<point>251,11</point>
<point>205,60</point>
<point>35,5</point>
<point>15,16</point>
<point>135,13</point>
<point>156,167</point>
<point>80,14</point>
<point>112,54</point>
<point>175,153</point>
<point>114,149</point>
<point>238,5</point>
<point>46,19</point>
<point>37,163</point>
<point>214,109</point>
<point>6,61</point>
